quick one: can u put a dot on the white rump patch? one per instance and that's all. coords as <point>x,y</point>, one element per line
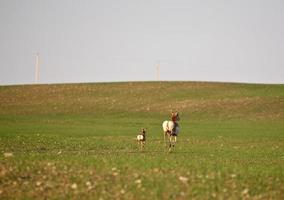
<point>140,137</point>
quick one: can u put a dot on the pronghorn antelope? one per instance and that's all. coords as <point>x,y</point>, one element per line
<point>141,138</point>
<point>171,130</point>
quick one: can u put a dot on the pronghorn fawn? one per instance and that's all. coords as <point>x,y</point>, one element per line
<point>141,139</point>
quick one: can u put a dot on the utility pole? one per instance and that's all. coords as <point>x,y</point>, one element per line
<point>157,66</point>
<point>37,69</point>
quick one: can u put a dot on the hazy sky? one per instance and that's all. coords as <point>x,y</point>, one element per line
<point>122,40</point>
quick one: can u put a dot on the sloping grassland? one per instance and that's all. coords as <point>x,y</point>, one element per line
<point>71,141</point>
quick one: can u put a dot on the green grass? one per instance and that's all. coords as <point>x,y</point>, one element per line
<point>77,141</point>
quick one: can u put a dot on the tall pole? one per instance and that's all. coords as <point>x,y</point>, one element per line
<point>37,69</point>
<point>157,71</point>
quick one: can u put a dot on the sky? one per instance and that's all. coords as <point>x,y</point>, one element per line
<point>124,40</point>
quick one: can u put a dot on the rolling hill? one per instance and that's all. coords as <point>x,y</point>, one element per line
<point>78,140</point>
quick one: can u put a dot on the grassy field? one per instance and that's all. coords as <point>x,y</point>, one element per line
<point>77,141</point>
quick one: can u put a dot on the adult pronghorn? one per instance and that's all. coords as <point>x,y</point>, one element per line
<point>171,129</point>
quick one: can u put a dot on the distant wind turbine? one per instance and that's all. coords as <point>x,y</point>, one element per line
<point>37,69</point>
<point>157,66</point>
